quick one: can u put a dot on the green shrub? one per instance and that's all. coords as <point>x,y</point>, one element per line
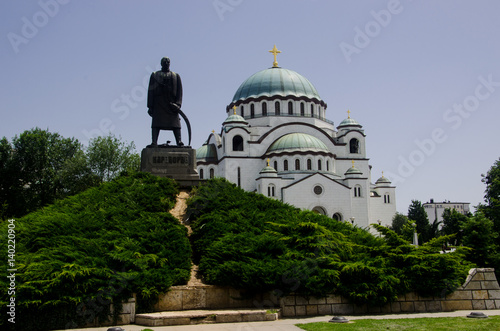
<point>99,247</point>
<point>252,242</point>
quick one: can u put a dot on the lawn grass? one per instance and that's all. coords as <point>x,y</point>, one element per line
<point>435,324</point>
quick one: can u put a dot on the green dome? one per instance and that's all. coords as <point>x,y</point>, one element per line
<point>293,142</point>
<point>268,169</point>
<point>235,120</point>
<point>276,81</point>
<point>349,122</point>
<point>353,171</point>
<point>382,180</point>
<point>206,151</point>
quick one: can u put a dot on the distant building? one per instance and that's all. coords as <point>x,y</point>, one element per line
<point>435,209</point>
<point>277,141</point>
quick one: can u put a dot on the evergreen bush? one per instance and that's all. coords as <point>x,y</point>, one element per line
<point>80,254</point>
<point>249,241</point>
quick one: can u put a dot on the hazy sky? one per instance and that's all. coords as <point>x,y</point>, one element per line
<point>422,77</point>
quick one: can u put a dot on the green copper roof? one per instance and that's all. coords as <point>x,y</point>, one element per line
<point>297,142</point>
<point>349,121</point>
<point>268,169</point>
<point>207,151</point>
<point>383,180</point>
<point>353,171</point>
<point>235,119</point>
<point>276,81</point>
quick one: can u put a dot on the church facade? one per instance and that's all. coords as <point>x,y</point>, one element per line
<point>277,141</point>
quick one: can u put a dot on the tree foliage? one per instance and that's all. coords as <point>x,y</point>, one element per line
<point>492,195</point>
<point>31,165</point>
<point>398,222</point>
<point>252,242</point>
<point>454,223</point>
<point>416,212</point>
<point>480,236</point>
<point>39,167</point>
<point>108,156</point>
<point>77,256</point>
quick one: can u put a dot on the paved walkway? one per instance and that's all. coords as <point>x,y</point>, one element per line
<point>288,323</point>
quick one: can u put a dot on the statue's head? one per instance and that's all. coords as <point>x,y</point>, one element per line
<point>165,63</point>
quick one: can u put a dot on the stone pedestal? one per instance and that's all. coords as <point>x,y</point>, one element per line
<point>178,163</point>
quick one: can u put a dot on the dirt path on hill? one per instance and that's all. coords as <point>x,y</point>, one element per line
<point>179,212</point>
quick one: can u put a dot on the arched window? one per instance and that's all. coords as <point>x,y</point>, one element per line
<point>264,109</point>
<point>242,111</point>
<point>252,110</point>
<point>319,165</point>
<point>201,173</point>
<point>312,110</point>
<point>387,198</point>
<point>354,146</point>
<point>277,108</point>
<point>212,173</point>
<point>357,191</point>
<point>309,164</point>
<point>297,164</point>
<point>337,216</point>
<point>319,210</point>
<point>276,165</point>
<point>237,143</point>
<point>302,111</point>
<point>290,108</point>
<point>285,165</point>
<point>271,190</point>
<point>327,165</point>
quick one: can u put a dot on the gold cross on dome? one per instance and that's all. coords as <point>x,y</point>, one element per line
<point>348,113</point>
<point>213,131</point>
<point>275,52</point>
<point>268,162</point>
<point>234,108</point>
<point>352,163</point>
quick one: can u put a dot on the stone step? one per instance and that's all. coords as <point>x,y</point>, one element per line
<point>190,317</point>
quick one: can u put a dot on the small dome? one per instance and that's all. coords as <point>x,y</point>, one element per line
<point>268,170</point>
<point>382,180</point>
<point>353,171</point>
<point>349,122</point>
<point>294,142</point>
<point>235,120</point>
<point>207,151</point>
<point>276,81</point>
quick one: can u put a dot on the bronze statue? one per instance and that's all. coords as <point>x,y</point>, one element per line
<point>164,103</point>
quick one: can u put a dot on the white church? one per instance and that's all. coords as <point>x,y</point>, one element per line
<point>277,141</point>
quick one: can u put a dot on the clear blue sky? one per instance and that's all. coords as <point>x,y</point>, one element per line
<point>411,72</point>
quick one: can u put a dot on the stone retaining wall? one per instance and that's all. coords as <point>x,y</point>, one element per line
<point>480,291</point>
<point>127,315</point>
<point>211,297</point>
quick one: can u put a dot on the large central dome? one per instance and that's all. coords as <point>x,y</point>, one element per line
<point>276,81</point>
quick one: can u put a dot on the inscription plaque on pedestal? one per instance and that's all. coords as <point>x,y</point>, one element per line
<point>178,163</point>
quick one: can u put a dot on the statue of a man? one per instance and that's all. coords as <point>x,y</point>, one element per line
<point>164,102</point>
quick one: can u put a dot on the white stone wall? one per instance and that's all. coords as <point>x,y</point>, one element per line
<point>335,198</point>
<point>379,210</point>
